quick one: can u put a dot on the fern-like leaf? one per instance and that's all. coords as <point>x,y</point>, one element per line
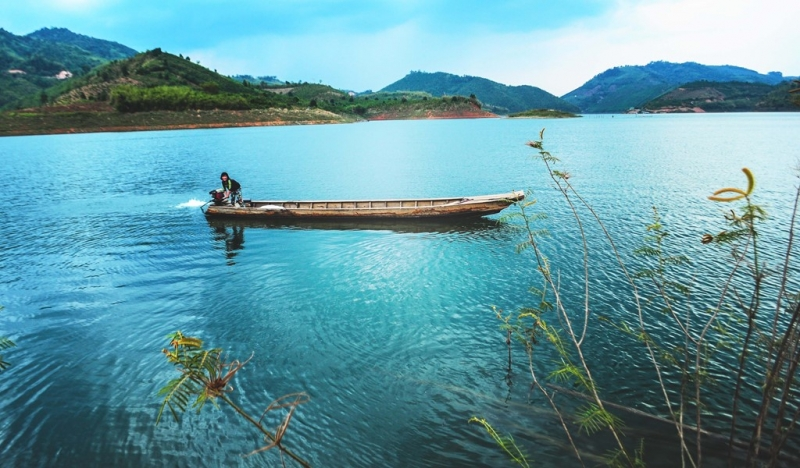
<point>505,442</point>
<point>5,343</point>
<point>177,394</point>
<point>523,246</point>
<point>567,373</point>
<point>593,418</point>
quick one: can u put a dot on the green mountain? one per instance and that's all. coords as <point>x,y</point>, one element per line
<point>622,88</point>
<point>156,80</point>
<point>105,49</point>
<point>43,58</point>
<point>29,64</point>
<point>734,96</point>
<point>495,97</point>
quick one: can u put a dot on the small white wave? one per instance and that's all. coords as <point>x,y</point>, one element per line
<point>193,203</point>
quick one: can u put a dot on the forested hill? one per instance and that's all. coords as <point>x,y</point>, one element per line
<point>108,50</point>
<point>156,80</point>
<point>495,97</point>
<point>29,64</point>
<point>36,57</point>
<point>621,88</point>
<point>732,96</point>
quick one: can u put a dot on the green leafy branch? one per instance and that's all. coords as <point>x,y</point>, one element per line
<point>205,376</point>
<point>506,443</point>
<point>5,344</point>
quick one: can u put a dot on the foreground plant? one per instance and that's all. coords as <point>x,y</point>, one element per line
<point>506,443</point>
<point>205,376</point>
<point>532,327</point>
<point>5,344</point>
<point>768,347</point>
<point>772,351</point>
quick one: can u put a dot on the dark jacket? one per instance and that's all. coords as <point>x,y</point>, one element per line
<point>231,185</point>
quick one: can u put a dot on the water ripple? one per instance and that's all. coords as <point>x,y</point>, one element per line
<point>388,326</point>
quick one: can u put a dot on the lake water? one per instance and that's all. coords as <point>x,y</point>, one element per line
<point>387,326</point>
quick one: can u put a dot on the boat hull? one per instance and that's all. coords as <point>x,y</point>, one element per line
<point>370,209</point>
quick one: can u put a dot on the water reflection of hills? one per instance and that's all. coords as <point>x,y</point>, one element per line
<point>456,225</point>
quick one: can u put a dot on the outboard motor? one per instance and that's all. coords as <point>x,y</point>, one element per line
<point>218,197</point>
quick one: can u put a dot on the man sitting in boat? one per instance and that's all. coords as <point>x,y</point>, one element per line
<point>233,190</point>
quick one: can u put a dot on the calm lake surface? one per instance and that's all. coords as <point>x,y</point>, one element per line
<point>388,327</point>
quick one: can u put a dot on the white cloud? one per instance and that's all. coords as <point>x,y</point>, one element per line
<point>748,33</point>
<point>751,34</point>
<point>77,5</point>
<point>353,61</point>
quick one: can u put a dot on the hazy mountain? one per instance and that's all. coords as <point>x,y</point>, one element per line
<point>621,88</point>
<point>495,97</point>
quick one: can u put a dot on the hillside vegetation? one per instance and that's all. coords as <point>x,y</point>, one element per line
<point>622,88</point>
<point>35,60</point>
<point>157,80</point>
<point>105,49</point>
<point>496,97</point>
<point>416,105</point>
<point>258,80</point>
<point>708,96</point>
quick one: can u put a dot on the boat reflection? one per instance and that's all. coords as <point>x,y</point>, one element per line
<point>232,236</point>
<point>451,225</point>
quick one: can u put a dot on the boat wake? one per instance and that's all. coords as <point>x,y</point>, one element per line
<point>193,203</point>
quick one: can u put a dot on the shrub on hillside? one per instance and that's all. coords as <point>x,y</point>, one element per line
<point>173,98</point>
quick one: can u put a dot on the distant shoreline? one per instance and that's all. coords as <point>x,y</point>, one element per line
<point>155,128</point>
<point>544,114</point>
<point>56,121</point>
<point>65,120</point>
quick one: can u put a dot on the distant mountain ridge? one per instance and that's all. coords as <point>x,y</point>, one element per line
<point>495,97</point>
<point>29,66</point>
<point>621,88</point>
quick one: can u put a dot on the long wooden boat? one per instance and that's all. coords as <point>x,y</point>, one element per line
<point>369,209</point>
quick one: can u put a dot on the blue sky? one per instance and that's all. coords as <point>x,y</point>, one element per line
<point>556,45</point>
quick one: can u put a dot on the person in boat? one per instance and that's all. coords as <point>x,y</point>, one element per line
<point>233,190</point>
